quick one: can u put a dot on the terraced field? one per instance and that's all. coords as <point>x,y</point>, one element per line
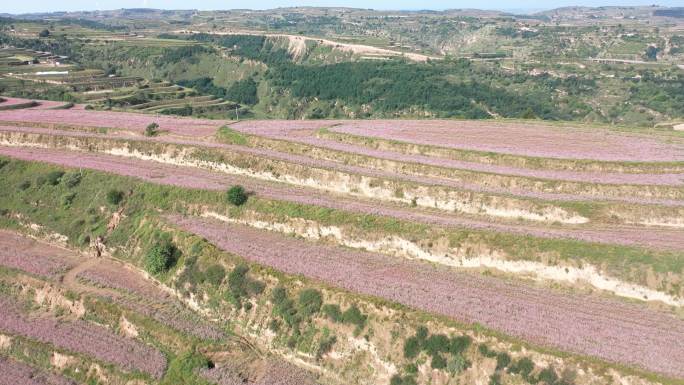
<point>95,279</point>
<point>534,315</point>
<point>16,373</point>
<point>531,231</point>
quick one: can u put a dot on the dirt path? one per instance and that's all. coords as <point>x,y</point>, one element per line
<point>70,279</point>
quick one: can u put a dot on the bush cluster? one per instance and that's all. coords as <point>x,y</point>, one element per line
<point>352,315</point>
<point>445,352</point>
<point>241,286</point>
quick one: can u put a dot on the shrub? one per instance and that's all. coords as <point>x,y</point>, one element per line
<point>310,302</point>
<point>399,380</point>
<point>255,287</point>
<point>160,257</point>
<point>333,312</point>
<point>54,177</point>
<point>354,316</point>
<point>68,198</point>
<point>396,380</point>
<point>325,345</point>
<point>548,376</point>
<point>240,285</point>
<point>436,343</point>
<point>422,333</point>
<point>278,295</point>
<point>236,195</point>
<point>71,179</point>
<point>236,281</point>
<point>274,325</point>
<point>495,379</point>
<point>215,274</point>
<point>411,347</point>
<point>114,197</point>
<point>288,312</point>
<point>524,366</point>
<point>459,344</point>
<point>24,185</point>
<point>438,362</point>
<point>484,350</point>
<point>502,360</point>
<point>84,239</point>
<point>152,129</point>
<point>457,364</point>
<point>44,33</point>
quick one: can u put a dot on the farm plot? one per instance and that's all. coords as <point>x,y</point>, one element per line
<point>306,132</point>
<point>270,372</point>
<point>83,337</point>
<point>146,298</point>
<point>22,253</point>
<point>106,119</point>
<point>459,194</point>
<point>189,177</point>
<point>610,330</point>
<point>131,289</point>
<point>17,373</point>
<point>28,104</point>
<point>523,139</point>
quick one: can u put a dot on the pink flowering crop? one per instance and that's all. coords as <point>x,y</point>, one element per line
<point>609,329</point>
<point>17,373</point>
<point>524,139</point>
<point>33,257</point>
<point>144,297</point>
<point>304,132</point>
<point>83,337</point>
<point>108,119</point>
<point>190,177</point>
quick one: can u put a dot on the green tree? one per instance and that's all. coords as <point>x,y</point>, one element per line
<point>244,91</point>
<point>237,195</point>
<point>160,257</point>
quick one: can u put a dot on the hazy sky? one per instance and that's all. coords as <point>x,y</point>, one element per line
<point>25,6</point>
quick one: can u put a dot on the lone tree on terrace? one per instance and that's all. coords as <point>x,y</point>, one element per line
<point>160,257</point>
<point>237,195</point>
